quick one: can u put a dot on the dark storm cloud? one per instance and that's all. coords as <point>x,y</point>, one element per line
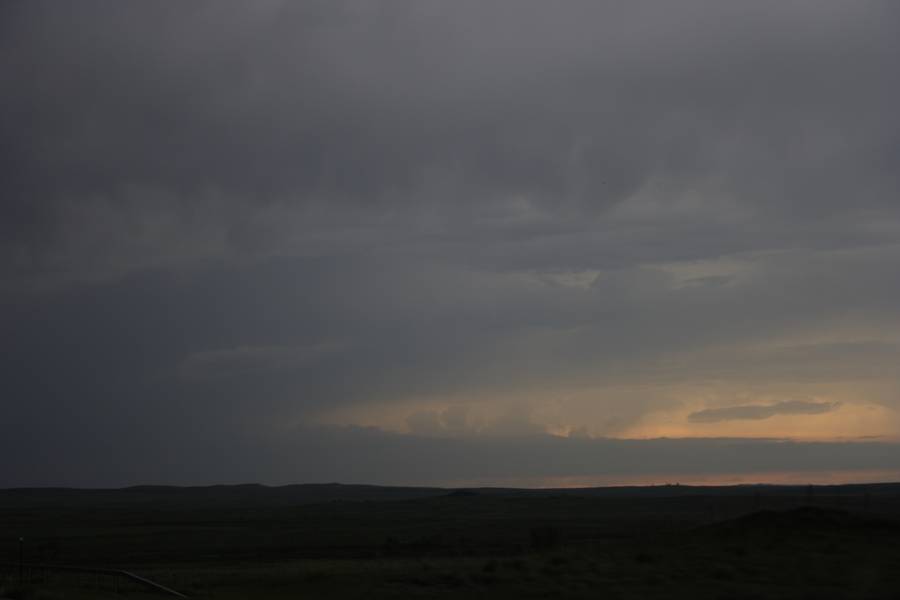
<point>131,117</point>
<point>218,217</point>
<point>242,360</point>
<point>760,411</point>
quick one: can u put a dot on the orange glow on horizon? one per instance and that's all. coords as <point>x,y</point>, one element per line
<point>693,479</point>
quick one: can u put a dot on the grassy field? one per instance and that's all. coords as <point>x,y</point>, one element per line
<point>422,543</point>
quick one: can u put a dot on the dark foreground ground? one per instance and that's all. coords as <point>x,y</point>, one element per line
<point>367,542</point>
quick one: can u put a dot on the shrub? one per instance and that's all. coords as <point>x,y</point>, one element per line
<point>545,537</point>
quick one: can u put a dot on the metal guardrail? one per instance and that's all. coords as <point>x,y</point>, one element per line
<point>117,573</point>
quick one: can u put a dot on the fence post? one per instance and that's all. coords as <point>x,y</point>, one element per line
<point>21,561</point>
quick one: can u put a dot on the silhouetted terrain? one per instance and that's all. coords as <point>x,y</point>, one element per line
<point>369,541</point>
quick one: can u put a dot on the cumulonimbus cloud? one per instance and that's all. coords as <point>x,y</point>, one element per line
<point>601,208</point>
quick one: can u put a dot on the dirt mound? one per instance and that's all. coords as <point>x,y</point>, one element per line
<point>803,522</point>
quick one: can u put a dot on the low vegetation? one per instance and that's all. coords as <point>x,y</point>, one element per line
<point>699,543</point>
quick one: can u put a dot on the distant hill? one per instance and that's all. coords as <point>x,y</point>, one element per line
<point>246,495</point>
<point>256,495</point>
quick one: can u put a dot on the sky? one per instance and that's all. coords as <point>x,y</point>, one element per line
<point>503,242</point>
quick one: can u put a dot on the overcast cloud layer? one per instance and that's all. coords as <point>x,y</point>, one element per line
<point>279,236</point>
